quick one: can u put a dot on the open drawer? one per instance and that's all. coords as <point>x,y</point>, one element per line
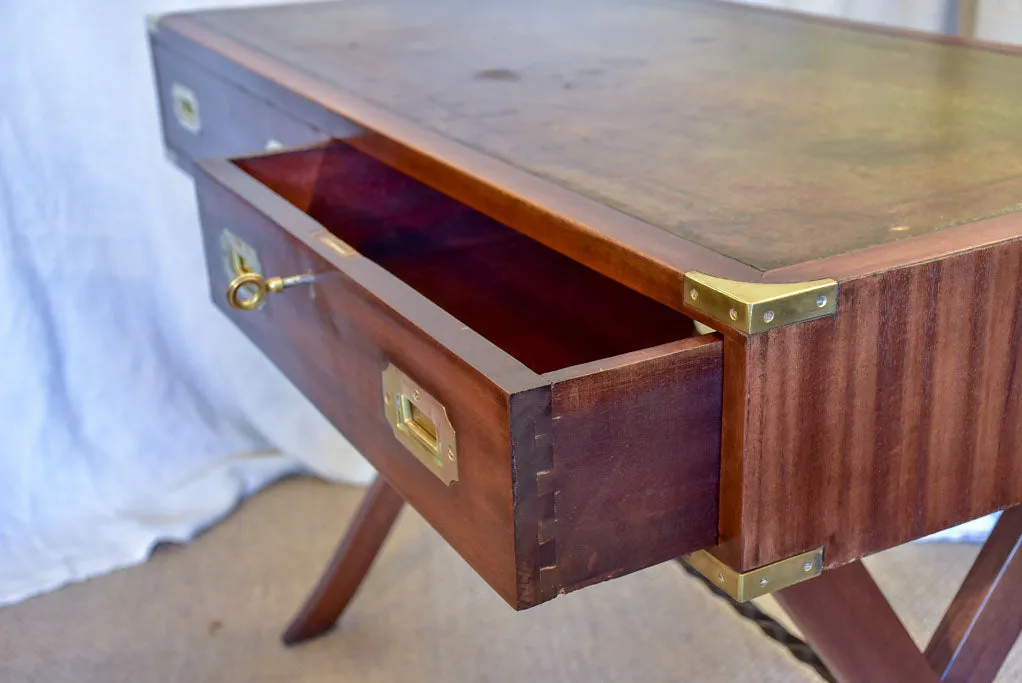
<point>556,427</point>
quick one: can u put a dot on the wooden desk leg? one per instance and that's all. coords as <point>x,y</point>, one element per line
<point>349,565</point>
<point>853,629</point>
<point>985,618</point>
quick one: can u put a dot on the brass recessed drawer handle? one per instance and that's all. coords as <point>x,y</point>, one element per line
<point>248,291</point>
<point>421,424</point>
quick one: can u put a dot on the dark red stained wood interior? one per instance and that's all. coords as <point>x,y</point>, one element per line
<point>545,309</point>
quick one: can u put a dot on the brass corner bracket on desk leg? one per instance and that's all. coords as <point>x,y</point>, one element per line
<point>745,586</point>
<point>753,307</point>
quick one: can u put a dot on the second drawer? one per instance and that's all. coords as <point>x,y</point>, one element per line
<point>556,427</point>
<point>206,116</point>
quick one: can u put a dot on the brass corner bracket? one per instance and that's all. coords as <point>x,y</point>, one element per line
<point>745,586</point>
<point>754,307</point>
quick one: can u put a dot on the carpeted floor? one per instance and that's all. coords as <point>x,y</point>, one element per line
<point>212,612</point>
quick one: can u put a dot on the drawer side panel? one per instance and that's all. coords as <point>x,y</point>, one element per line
<point>897,418</point>
<point>636,462</point>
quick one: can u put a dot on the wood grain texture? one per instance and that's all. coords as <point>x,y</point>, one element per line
<point>896,418</point>
<point>349,565</point>
<point>636,462</point>
<point>899,417</point>
<point>334,338</point>
<point>619,246</point>
<point>850,624</point>
<point>985,617</point>
<point>767,137</point>
<point>546,310</point>
<point>533,458</point>
<point>906,252</point>
<point>650,477</point>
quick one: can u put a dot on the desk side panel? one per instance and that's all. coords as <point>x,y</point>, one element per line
<point>897,418</point>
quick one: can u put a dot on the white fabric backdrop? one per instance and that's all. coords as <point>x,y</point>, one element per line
<point>130,410</point>
<point>923,15</point>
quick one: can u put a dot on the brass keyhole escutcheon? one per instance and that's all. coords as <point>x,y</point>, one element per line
<point>240,264</point>
<point>248,287</point>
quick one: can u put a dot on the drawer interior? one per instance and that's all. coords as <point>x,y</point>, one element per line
<point>543,308</point>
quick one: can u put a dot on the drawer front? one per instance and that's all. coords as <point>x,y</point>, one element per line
<point>205,116</point>
<point>581,419</point>
<point>334,339</point>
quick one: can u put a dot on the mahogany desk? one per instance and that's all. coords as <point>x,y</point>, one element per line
<point>598,284</point>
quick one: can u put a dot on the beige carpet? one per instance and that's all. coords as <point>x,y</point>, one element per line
<point>212,612</point>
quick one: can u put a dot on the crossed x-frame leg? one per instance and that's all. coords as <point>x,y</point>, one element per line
<point>850,624</point>
<point>349,565</point>
<point>842,613</point>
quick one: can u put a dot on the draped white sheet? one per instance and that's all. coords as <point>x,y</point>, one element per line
<point>130,410</point>
<point>923,15</point>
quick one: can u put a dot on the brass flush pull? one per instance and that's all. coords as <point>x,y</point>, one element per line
<point>421,424</point>
<point>248,291</point>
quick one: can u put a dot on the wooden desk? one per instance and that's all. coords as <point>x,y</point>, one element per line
<point>599,284</point>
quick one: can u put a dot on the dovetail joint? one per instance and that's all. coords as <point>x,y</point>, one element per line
<point>546,495</point>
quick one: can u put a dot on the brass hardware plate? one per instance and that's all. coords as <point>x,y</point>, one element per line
<point>334,243</point>
<point>186,108</point>
<point>238,256</point>
<point>754,307</point>
<point>248,287</point>
<point>752,584</point>
<point>421,424</point>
